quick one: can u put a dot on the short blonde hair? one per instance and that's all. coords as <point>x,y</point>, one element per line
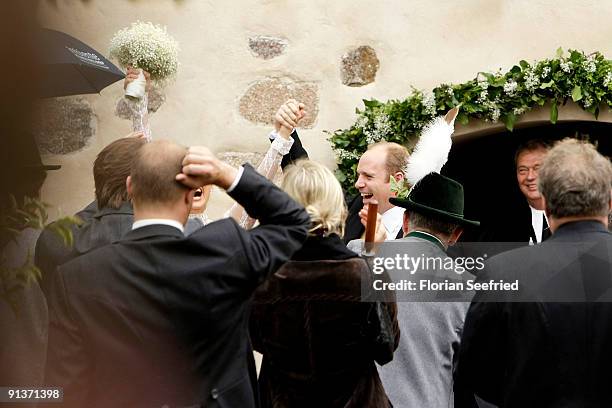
<point>317,189</point>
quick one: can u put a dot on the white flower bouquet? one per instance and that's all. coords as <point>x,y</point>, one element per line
<point>149,47</point>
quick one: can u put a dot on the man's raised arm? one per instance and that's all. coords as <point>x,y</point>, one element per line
<point>283,223</point>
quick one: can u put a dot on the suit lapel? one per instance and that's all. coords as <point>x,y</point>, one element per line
<point>529,233</point>
<point>545,229</point>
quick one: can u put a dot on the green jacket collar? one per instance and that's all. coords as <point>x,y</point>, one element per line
<point>428,237</point>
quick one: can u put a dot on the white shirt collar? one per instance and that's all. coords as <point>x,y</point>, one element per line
<point>158,221</point>
<point>393,219</point>
<point>537,222</point>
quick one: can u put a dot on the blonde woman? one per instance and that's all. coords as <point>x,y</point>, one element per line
<point>318,340</point>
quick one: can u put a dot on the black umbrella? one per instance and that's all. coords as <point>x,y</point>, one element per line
<point>70,67</point>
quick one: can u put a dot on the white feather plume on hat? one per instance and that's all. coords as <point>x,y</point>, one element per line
<point>431,151</point>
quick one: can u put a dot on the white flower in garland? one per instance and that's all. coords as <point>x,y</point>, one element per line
<point>545,72</point>
<point>429,102</point>
<point>518,111</point>
<point>382,127</point>
<point>566,67</point>
<point>382,123</point>
<point>346,155</point>
<point>494,110</point>
<point>588,101</point>
<point>483,98</point>
<point>362,122</point>
<point>370,138</point>
<point>484,84</point>
<point>589,64</point>
<point>607,82</point>
<point>449,90</point>
<point>531,80</point>
<point>510,87</point>
<point>495,113</point>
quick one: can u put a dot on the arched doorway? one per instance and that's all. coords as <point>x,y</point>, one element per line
<point>482,159</point>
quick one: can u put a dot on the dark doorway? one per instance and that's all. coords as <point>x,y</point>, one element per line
<point>485,167</point>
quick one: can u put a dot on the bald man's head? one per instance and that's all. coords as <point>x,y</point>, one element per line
<point>153,173</point>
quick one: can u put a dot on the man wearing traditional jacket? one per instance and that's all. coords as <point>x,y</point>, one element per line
<point>420,374</point>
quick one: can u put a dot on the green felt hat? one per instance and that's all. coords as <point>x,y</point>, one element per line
<point>436,196</point>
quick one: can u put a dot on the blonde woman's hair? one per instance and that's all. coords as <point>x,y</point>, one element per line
<point>317,189</point>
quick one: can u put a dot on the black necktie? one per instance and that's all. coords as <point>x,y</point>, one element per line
<point>545,229</point>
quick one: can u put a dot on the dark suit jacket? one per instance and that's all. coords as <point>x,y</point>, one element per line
<point>100,227</point>
<point>353,229</point>
<point>159,318</point>
<point>512,226</point>
<point>544,353</point>
<point>297,151</point>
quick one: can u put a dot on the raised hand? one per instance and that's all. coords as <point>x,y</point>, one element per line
<point>288,116</point>
<point>201,167</point>
<point>132,73</point>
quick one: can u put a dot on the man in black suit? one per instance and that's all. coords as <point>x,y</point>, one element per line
<point>381,161</point>
<point>528,160</point>
<point>161,319</point>
<point>525,223</point>
<point>105,220</point>
<point>548,344</point>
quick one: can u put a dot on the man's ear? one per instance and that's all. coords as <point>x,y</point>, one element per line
<point>398,176</point>
<point>406,223</point>
<point>188,197</point>
<point>128,186</point>
<point>455,236</point>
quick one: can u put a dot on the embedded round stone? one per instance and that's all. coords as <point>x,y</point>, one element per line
<point>267,47</point>
<point>239,158</point>
<point>63,125</point>
<point>263,98</point>
<point>359,66</point>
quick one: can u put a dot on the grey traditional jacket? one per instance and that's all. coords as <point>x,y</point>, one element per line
<point>421,373</point>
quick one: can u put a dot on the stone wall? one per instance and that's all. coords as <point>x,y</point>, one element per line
<point>240,60</point>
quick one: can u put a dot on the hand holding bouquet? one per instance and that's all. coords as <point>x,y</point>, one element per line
<point>149,47</point>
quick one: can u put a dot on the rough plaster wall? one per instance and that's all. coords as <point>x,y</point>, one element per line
<point>419,43</point>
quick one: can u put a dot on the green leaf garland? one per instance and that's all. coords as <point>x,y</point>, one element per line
<point>491,97</point>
